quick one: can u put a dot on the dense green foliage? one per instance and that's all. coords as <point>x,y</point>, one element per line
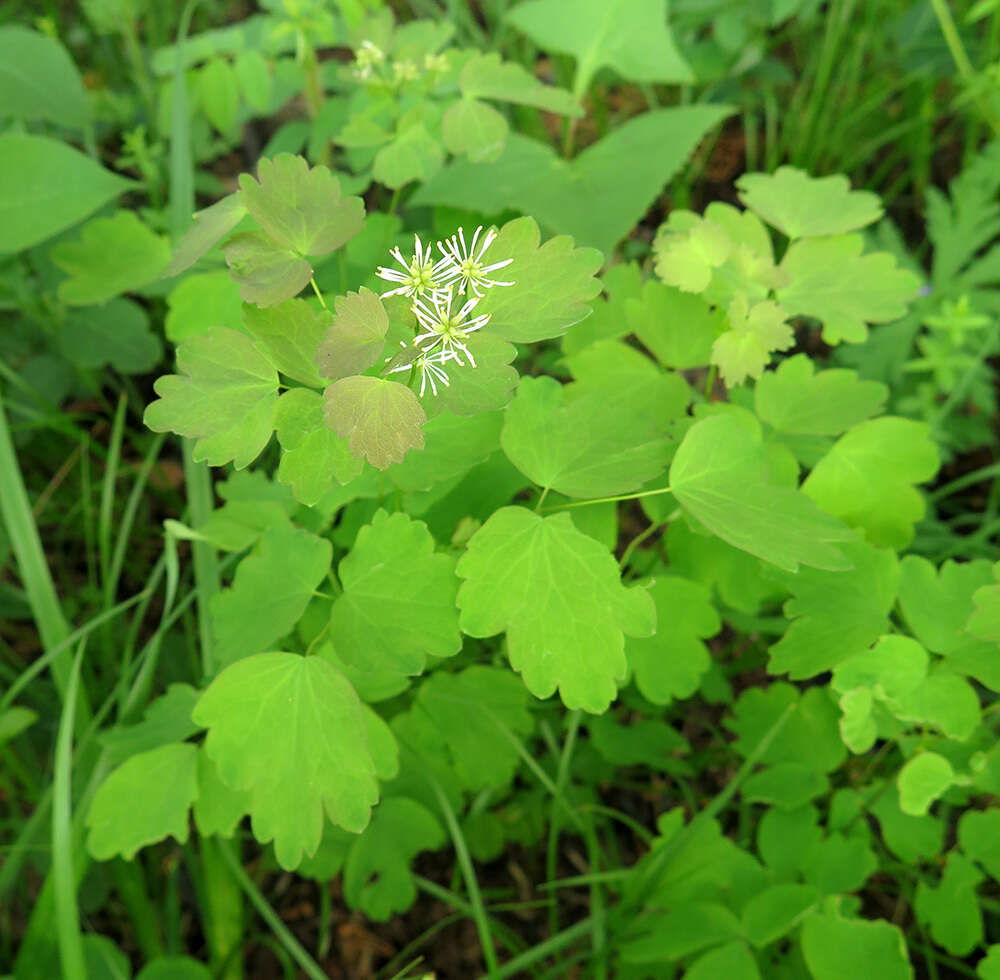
<point>564,526</point>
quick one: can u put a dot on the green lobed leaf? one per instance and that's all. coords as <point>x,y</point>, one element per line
<point>794,399</point>
<point>682,931</point>
<point>836,947</point>
<point>907,836</point>
<point>144,800</point>
<point>773,913</point>
<point>377,875</point>
<point>219,94</point>
<point>630,36</point>
<point>809,736</point>
<point>802,206</point>
<point>38,79</point>
<point>290,730</point>
<point>922,780</point>
<point>835,615</point>
<point>787,785</point>
<point>398,604</point>
<point>985,619</point>
<point>647,742</point>
<point>679,328</point>
<point>686,255</point>
<point>413,154</point>
<point>224,397</point>
<point>270,592</point>
<point>552,284</point>
<point>165,720</point>
<point>829,279</point>
<point>732,960</point>
<point>475,712</point>
<point>301,207</point>
<point>454,444</point>
<point>117,334</point>
<point>485,76</point>
<point>288,335</point>
<point>218,808</point>
<point>487,387</point>
<point>267,273</point>
<point>140,257</point>
<point>988,968</point>
<point>720,475</point>
<point>531,178</point>
<point>979,835</point>
<point>174,968</point>
<point>943,701</point>
<point>381,419</point>
<point>584,442</point>
<point>354,339</point>
<point>557,594</point>
<point>952,908</point>
<point>619,283</point>
<point>46,187</point>
<point>755,333</point>
<point>670,664</point>
<point>866,478</point>
<point>314,458</point>
<point>475,129</point>
<point>211,224</point>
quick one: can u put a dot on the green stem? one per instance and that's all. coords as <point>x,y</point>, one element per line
<point>319,295</point>
<point>293,947</point>
<point>471,884</point>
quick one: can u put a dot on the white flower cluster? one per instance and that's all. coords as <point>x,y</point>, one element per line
<point>371,64</point>
<point>431,284</point>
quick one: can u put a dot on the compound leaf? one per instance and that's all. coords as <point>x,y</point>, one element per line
<point>381,419</point>
<point>867,478</point>
<point>140,255</point>
<point>301,207</point>
<point>398,604</point>
<point>558,595</point>
<point>679,328</point>
<point>802,206</point>
<point>218,808</point>
<point>290,730</point>
<point>224,397</point>
<point>985,619</point>
<point>270,592</point>
<point>144,800</point>
<point>720,475</point>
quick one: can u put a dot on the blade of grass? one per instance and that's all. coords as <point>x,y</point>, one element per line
<point>69,937</point>
<point>32,567</point>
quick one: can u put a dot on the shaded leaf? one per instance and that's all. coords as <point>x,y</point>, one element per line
<point>355,338</point>
<point>288,335</point>
<point>210,226</point>
<point>267,273</point>
<point>381,419</point>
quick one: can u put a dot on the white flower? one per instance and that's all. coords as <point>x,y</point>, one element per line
<point>368,56</point>
<point>419,276</point>
<point>442,327</point>
<point>431,369</point>
<point>467,264</point>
